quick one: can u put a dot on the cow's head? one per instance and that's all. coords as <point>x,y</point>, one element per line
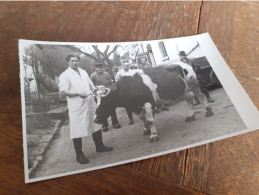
<point>106,103</point>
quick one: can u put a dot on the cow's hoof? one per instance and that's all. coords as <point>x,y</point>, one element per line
<point>209,112</point>
<point>117,126</point>
<point>154,139</point>
<point>165,108</point>
<point>146,132</point>
<point>97,121</point>
<point>190,118</point>
<point>105,129</point>
<point>131,122</point>
<point>156,111</point>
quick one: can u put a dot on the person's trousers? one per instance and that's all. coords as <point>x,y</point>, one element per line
<point>204,90</point>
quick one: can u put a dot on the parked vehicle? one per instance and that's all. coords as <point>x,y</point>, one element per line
<point>208,73</point>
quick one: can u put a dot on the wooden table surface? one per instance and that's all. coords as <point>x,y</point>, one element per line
<point>227,166</point>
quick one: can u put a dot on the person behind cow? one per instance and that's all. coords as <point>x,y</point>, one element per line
<point>76,85</point>
<point>100,77</point>
<point>197,69</point>
<point>126,71</point>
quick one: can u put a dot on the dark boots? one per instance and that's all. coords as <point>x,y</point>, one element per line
<point>80,157</point>
<point>100,147</point>
<point>98,140</point>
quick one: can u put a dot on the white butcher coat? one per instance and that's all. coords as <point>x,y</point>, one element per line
<point>81,110</point>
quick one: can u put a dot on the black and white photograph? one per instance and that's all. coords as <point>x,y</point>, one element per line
<point>88,106</point>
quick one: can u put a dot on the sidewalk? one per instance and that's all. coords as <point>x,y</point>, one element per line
<point>37,144</point>
<point>39,140</point>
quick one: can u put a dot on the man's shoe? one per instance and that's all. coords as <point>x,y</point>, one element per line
<point>82,159</point>
<point>131,122</point>
<point>164,108</point>
<point>117,126</point>
<point>105,129</point>
<point>98,141</point>
<point>210,100</point>
<point>104,149</point>
<point>156,110</point>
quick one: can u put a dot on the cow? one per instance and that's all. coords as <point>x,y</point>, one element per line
<point>142,90</point>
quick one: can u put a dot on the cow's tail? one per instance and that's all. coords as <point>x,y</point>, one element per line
<point>184,78</point>
<point>185,72</point>
<point>190,77</point>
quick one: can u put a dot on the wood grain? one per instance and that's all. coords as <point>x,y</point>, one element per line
<point>218,19</point>
<point>226,166</point>
<point>160,20</point>
<point>235,161</point>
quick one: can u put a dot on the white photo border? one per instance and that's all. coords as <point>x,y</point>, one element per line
<point>237,94</point>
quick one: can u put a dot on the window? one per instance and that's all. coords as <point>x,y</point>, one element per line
<point>163,50</point>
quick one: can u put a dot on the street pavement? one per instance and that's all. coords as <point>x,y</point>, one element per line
<point>128,142</point>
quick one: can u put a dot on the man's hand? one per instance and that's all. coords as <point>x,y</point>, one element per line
<point>94,90</point>
<point>83,95</point>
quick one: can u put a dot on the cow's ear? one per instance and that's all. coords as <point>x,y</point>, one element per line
<point>185,71</point>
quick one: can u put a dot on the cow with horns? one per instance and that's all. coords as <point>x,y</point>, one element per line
<point>142,90</point>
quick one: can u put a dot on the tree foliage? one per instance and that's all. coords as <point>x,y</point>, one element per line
<point>49,61</point>
<point>32,58</point>
<point>99,56</point>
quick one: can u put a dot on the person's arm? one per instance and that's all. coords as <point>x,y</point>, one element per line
<point>118,76</point>
<point>92,86</point>
<point>92,78</point>
<point>110,79</point>
<point>71,94</point>
<point>64,87</point>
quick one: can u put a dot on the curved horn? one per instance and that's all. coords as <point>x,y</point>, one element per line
<point>107,93</point>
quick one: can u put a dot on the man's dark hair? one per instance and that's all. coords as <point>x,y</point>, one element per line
<point>98,65</point>
<point>70,55</point>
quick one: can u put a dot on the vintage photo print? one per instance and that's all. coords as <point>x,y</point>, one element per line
<point>87,106</point>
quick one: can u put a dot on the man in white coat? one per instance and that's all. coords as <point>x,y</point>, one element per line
<point>76,85</point>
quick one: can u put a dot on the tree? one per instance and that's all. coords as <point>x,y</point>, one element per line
<point>32,58</point>
<point>101,57</point>
<point>116,58</point>
<point>130,51</point>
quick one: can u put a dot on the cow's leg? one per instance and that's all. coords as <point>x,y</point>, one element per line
<point>147,130</point>
<point>153,137</point>
<point>130,116</point>
<point>150,121</point>
<point>189,99</point>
